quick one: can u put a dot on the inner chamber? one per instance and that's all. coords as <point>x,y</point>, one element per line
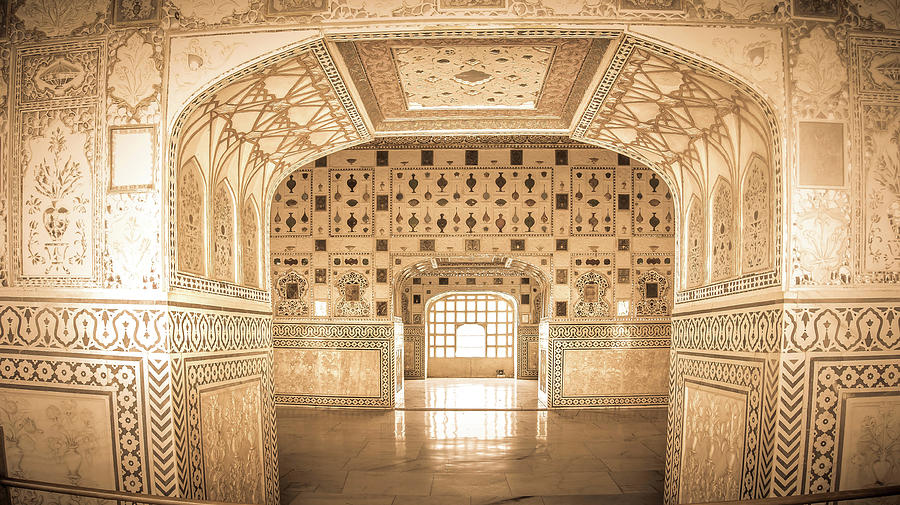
<point>470,256</point>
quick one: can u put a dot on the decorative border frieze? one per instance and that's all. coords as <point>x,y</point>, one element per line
<point>744,331</point>
<point>283,331</point>
<point>612,331</point>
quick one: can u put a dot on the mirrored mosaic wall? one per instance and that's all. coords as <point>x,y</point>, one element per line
<point>599,226</point>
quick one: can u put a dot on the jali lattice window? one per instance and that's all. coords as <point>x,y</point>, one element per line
<point>450,326</point>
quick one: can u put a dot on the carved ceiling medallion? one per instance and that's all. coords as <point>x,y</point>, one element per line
<point>473,83</point>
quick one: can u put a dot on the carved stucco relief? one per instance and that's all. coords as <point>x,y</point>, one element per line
<point>756,217</point>
<point>723,237</point>
<point>881,145</point>
<point>695,239</point>
<point>191,250</point>
<point>250,244</point>
<point>223,233</point>
<point>712,444</point>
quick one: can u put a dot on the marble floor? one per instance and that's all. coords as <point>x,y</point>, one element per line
<point>469,394</point>
<point>471,457</point>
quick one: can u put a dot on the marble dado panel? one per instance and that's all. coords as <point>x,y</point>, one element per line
<point>715,420</point>
<point>348,372</point>
<point>415,350</point>
<point>231,420</point>
<point>578,375</point>
<point>732,395</point>
<point>60,413</point>
<point>55,436</point>
<point>225,441</point>
<point>614,372</point>
<point>527,352</point>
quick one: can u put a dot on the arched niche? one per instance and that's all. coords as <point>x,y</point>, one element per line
<point>692,122</point>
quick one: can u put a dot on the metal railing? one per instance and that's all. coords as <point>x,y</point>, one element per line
<point>8,483</point>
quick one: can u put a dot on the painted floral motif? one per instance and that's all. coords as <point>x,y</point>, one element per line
<point>696,245</point>
<point>59,17</point>
<point>56,207</point>
<point>190,219</point>
<point>250,244</point>
<point>821,237</point>
<point>882,204</point>
<point>722,233</point>
<point>57,440</point>
<point>592,288</point>
<point>819,73</point>
<point>20,433</point>
<point>134,77</point>
<point>755,212</point>
<point>877,450</point>
<point>713,446</point>
<point>223,234</point>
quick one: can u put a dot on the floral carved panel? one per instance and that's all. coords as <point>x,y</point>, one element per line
<point>57,155</point>
<point>712,443</point>
<point>723,247</point>
<point>134,79</point>
<point>223,233</point>
<point>250,244</point>
<point>232,443</point>
<point>755,214</point>
<point>881,207</point>
<point>59,17</point>
<point>191,250</point>
<point>695,254</point>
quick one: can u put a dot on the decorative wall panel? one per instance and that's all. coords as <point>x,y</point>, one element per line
<point>351,205</point>
<point>510,201</point>
<point>714,431</point>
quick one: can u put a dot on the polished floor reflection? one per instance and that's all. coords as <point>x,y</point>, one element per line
<point>458,457</point>
<point>470,394</point>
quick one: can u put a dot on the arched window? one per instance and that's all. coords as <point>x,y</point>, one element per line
<point>475,325</point>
